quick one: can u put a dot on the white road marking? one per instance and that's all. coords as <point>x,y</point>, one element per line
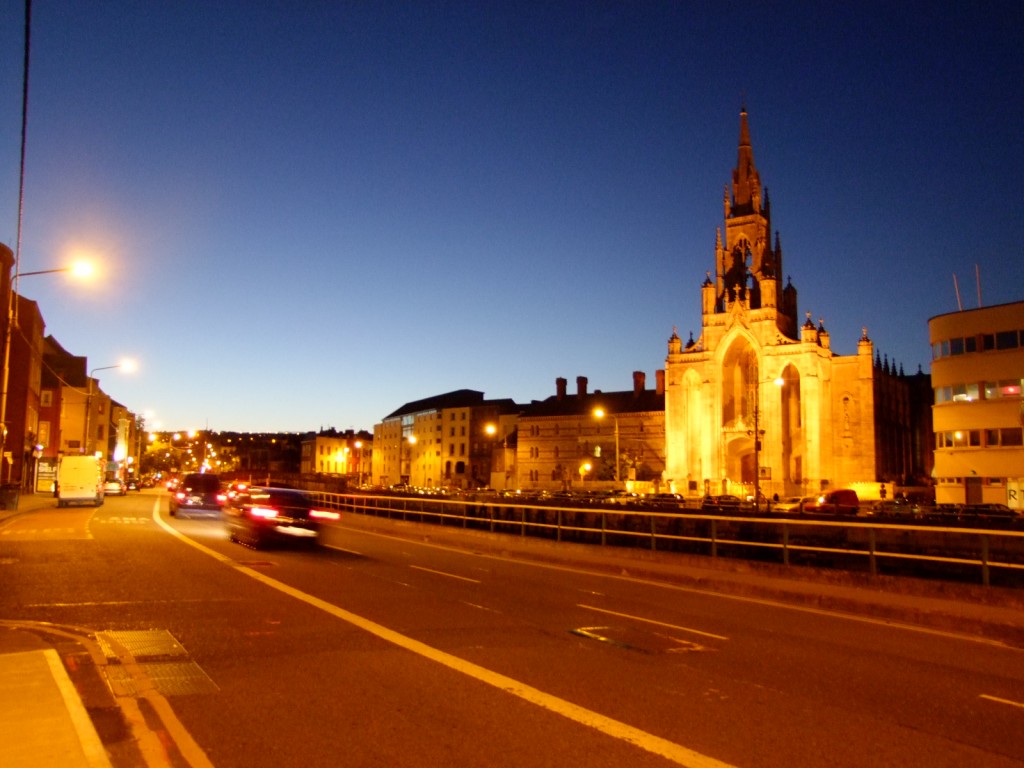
<point>647,741</point>
<point>443,573</point>
<point>651,621</point>
<point>709,592</point>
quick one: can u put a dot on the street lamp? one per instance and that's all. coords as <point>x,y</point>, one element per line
<point>779,382</point>
<point>79,269</point>
<point>411,440</point>
<point>600,413</point>
<point>127,365</point>
<point>584,468</point>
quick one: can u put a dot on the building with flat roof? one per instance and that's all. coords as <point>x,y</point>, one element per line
<point>978,412</point>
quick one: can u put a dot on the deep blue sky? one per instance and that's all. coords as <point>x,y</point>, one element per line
<point>311,213</point>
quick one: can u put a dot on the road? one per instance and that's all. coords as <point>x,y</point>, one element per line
<point>377,650</point>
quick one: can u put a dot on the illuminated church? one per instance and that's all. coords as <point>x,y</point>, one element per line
<point>759,402</point>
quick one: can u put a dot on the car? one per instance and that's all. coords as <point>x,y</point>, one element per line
<point>792,505</point>
<point>114,487</point>
<point>722,503</point>
<point>257,516</point>
<point>841,501</point>
<point>665,500</point>
<point>199,490</point>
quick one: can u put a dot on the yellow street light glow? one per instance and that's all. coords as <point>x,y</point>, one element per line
<point>599,413</point>
<point>83,269</point>
<point>490,429</point>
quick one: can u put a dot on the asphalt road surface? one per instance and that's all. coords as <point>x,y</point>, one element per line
<point>376,650</point>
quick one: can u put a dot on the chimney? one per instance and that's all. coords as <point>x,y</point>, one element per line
<point>560,385</point>
<point>659,378</point>
<point>639,380</point>
<point>581,385</point>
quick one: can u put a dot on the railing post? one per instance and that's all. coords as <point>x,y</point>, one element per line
<point>490,515</point>
<point>872,559</point>
<point>654,535</point>
<point>785,544</point>
<point>604,527</point>
<point>714,537</point>
<point>984,560</point>
<point>558,525</point>
<point>522,520</point>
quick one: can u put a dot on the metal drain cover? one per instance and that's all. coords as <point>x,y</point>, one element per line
<point>141,644</point>
<point>170,678</point>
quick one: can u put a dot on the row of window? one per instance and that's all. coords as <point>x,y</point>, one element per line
<point>1007,437</point>
<point>967,393</point>
<point>983,342</point>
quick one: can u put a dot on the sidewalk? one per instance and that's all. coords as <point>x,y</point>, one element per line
<point>42,718</point>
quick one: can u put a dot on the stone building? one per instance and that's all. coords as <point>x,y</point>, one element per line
<point>593,440</point>
<point>760,401</point>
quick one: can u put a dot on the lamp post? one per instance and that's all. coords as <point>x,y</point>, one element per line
<point>128,365</point>
<point>411,440</point>
<point>758,432</point>
<point>359,462</point>
<point>80,269</point>
<point>600,414</point>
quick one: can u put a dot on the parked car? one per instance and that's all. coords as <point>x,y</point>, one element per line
<point>722,503</point>
<point>665,500</point>
<point>841,501</point>
<point>792,505</point>
<point>256,516</point>
<point>200,490</point>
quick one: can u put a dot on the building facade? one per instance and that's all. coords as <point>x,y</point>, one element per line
<point>978,411</point>
<point>445,441</point>
<point>340,454</point>
<point>593,440</point>
<point>760,402</point>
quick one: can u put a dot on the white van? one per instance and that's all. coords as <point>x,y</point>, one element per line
<point>79,481</point>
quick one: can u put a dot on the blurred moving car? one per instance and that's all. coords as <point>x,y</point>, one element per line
<point>256,516</point>
<point>841,501</point>
<point>199,490</point>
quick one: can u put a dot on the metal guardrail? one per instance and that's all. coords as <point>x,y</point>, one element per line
<point>958,553</point>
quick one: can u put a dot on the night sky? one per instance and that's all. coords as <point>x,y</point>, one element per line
<point>309,214</point>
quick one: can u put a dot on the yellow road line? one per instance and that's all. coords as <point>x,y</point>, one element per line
<point>1002,701</point>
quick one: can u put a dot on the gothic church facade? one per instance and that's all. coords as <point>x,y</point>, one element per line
<point>760,402</point>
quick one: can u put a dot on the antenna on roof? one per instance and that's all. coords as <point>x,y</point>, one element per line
<point>956,287</point>
<point>977,277</point>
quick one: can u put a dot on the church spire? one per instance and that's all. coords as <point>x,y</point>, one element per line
<point>746,184</point>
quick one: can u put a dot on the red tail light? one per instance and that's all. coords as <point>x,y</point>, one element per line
<point>323,514</point>
<point>180,495</point>
<point>221,498</point>
<point>266,512</point>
